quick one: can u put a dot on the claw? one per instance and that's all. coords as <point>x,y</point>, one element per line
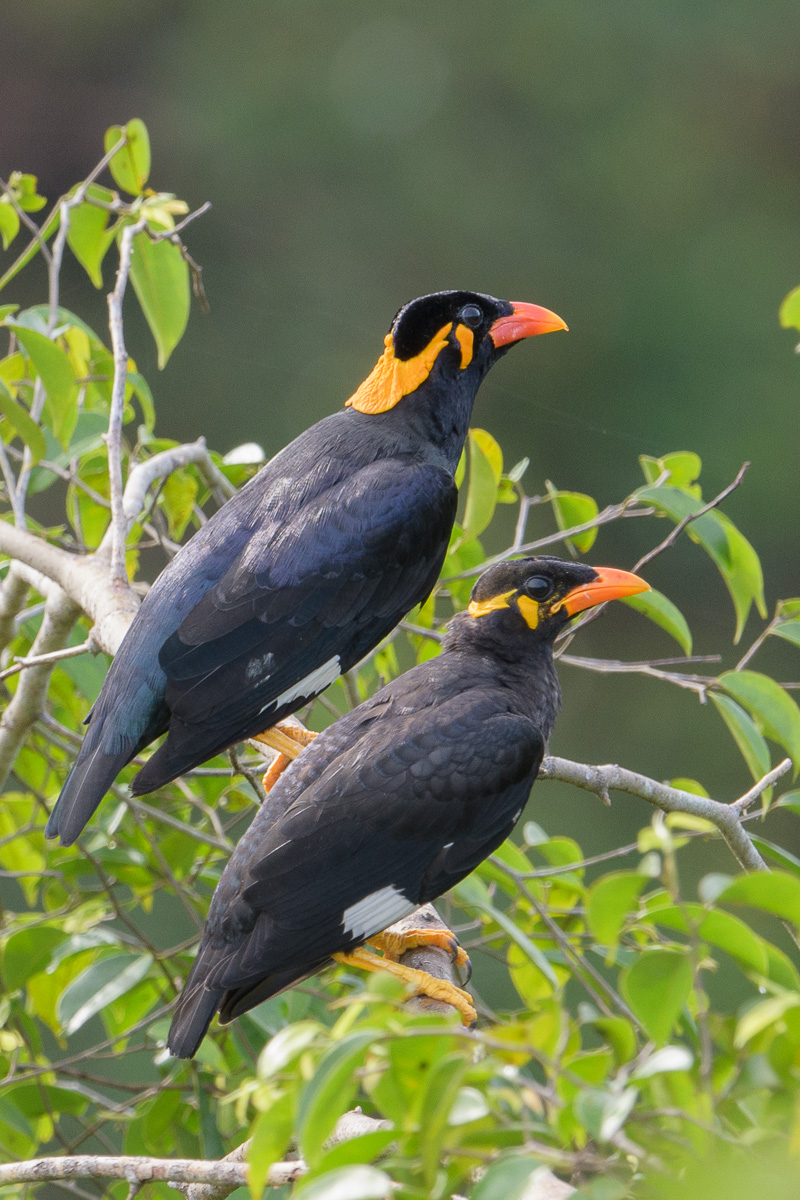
<point>421,983</point>
<point>394,945</point>
<point>289,741</point>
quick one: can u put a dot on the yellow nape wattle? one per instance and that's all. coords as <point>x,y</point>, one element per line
<point>392,378</point>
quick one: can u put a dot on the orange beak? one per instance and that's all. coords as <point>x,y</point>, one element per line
<point>527,320</point>
<point>609,585</point>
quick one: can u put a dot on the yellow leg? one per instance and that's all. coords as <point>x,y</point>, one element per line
<point>289,741</point>
<point>394,945</point>
<point>420,982</point>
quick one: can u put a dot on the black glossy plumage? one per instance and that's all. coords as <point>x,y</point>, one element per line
<point>387,809</point>
<point>314,561</point>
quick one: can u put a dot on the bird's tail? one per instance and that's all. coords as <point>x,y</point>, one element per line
<point>192,1017</point>
<point>98,763</point>
<point>197,1004</point>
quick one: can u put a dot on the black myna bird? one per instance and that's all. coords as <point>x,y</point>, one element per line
<point>307,568</point>
<point>394,803</point>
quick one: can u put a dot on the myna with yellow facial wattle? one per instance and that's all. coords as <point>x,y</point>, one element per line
<point>306,569</point>
<point>394,803</point>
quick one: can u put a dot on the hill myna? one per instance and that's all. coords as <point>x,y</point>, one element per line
<point>394,803</point>
<point>308,567</point>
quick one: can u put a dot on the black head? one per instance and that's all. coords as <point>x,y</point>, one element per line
<point>447,335</point>
<point>533,598</point>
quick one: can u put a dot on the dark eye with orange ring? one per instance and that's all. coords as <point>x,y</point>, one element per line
<point>538,588</point>
<point>471,316</point>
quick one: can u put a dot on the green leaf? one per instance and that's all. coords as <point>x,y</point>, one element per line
<point>269,1139</point>
<point>20,419</point>
<point>770,891</point>
<point>359,1182</point>
<point>160,278</point>
<point>130,166</point>
<point>9,223</point>
<point>11,1115</point>
<point>32,248</point>
<point>98,985</point>
<point>89,236</point>
<point>178,496</point>
<point>718,928</point>
<point>610,900</point>
<point>508,1179</point>
<point>763,1014</point>
<point>330,1092</point>
<point>773,709</point>
<point>485,469</point>
<point>574,508</point>
<point>142,390</point>
<point>603,1113</point>
<point>788,630</point>
<point>51,363</point>
<point>28,952</point>
<point>684,467</point>
<point>664,1062</point>
<point>661,611</point>
<point>789,862</point>
<point>443,1086</point>
<point>754,749</point>
<point>24,187</point>
<point>730,550</point>
<point>285,1047</point>
<point>656,987</point>
<point>472,892</point>
<point>789,312</point>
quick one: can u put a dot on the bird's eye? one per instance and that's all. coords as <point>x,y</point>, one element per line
<point>538,588</point>
<point>471,316</point>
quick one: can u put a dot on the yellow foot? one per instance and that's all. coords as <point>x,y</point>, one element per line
<point>421,983</point>
<point>289,741</point>
<point>394,945</point>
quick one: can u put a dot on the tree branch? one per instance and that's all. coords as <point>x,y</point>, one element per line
<point>119,528</point>
<point>60,615</point>
<point>727,817</point>
<point>198,1179</point>
<point>85,578</point>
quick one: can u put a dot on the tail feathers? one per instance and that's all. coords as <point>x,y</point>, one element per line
<point>197,1005</point>
<point>94,771</point>
<point>183,749</point>
<point>194,1014</point>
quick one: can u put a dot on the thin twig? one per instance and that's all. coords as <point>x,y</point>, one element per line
<point>119,574</point>
<point>743,803</point>
<point>674,534</point>
<point>36,660</point>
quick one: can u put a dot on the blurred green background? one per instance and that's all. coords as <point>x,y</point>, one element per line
<point>631,165</point>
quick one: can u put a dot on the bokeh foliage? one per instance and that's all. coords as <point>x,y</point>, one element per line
<point>648,1020</point>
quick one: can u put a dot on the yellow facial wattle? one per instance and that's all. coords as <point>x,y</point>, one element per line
<point>392,378</point>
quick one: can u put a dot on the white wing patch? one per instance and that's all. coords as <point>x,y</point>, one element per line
<point>375,912</point>
<point>316,681</point>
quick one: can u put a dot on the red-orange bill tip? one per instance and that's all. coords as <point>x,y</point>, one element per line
<point>527,320</point>
<point>610,584</point>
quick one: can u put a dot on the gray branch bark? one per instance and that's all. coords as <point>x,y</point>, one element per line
<point>60,615</point>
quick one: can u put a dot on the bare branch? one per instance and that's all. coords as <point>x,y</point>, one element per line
<point>114,437</point>
<point>60,615</point>
<point>743,803</point>
<point>727,817</point>
<point>36,660</point>
<point>201,1179</point>
<point>687,520</point>
<point>13,594</point>
<point>83,578</point>
<point>694,683</point>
